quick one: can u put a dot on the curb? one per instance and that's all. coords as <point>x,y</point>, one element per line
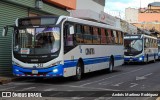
<point>5,80</point>
<point>158,98</point>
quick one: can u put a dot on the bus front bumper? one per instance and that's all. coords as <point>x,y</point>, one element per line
<point>137,59</point>
<point>55,71</point>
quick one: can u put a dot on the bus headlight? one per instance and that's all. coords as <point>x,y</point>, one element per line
<point>140,58</point>
<point>55,70</point>
<point>16,70</point>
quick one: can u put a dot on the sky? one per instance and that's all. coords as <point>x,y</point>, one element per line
<point>117,7</point>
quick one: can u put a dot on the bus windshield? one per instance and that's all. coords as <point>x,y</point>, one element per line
<point>44,40</point>
<point>133,46</point>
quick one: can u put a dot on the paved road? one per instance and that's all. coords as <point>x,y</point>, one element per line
<point>137,77</point>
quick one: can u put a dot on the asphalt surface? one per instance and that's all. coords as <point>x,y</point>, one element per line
<point>133,77</point>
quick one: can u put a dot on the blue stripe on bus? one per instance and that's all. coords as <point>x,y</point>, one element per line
<point>17,70</point>
<point>137,58</point>
<point>88,61</point>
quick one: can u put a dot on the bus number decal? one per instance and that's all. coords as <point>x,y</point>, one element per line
<point>90,51</point>
<point>39,65</point>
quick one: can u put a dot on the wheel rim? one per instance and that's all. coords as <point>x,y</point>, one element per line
<point>78,72</point>
<point>110,67</point>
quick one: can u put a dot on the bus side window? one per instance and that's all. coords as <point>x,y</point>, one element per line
<point>120,37</point>
<point>87,35</point>
<point>79,34</point>
<point>109,36</point>
<point>115,37</point>
<point>112,37</point>
<point>103,36</point>
<point>96,37</point>
<point>68,38</point>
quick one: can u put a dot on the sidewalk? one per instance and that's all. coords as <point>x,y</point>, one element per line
<point>7,79</point>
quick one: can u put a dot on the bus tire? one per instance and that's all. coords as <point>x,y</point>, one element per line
<point>78,75</point>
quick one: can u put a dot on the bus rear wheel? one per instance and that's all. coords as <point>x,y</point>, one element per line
<point>78,75</point>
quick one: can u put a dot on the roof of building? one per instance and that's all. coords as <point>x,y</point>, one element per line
<point>156,4</point>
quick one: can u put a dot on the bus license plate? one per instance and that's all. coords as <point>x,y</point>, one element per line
<point>131,59</point>
<point>34,71</point>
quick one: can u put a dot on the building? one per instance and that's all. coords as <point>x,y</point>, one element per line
<point>88,9</point>
<point>94,5</point>
<point>131,15</point>
<point>12,9</point>
<point>145,18</point>
<point>94,10</point>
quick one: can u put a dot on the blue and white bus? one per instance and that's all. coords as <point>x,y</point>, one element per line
<point>140,48</point>
<point>64,46</point>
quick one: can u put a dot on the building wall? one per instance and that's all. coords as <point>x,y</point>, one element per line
<point>11,10</point>
<point>89,5</point>
<point>148,26</point>
<point>101,2</point>
<point>131,15</point>
<point>148,17</point>
<point>152,7</point>
<point>69,4</point>
<point>8,14</point>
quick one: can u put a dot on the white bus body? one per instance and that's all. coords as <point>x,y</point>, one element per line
<point>67,57</point>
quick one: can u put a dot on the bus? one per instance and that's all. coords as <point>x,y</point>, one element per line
<point>49,46</point>
<point>140,48</point>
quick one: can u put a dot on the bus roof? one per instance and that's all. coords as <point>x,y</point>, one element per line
<point>87,22</point>
<point>142,35</point>
<point>77,20</point>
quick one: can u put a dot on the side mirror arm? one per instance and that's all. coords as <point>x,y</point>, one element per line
<point>5,30</point>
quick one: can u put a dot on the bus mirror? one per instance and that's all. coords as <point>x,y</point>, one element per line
<point>71,30</point>
<point>4,32</point>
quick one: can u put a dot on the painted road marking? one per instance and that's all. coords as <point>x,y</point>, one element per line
<point>133,85</point>
<point>77,98</point>
<point>91,88</point>
<point>143,77</point>
<point>24,89</point>
<point>7,88</point>
<point>103,98</point>
<point>158,98</point>
<point>105,83</point>
<point>118,84</point>
<point>110,77</point>
<point>50,89</point>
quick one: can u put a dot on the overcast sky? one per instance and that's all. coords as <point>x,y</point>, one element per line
<point>117,7</point>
